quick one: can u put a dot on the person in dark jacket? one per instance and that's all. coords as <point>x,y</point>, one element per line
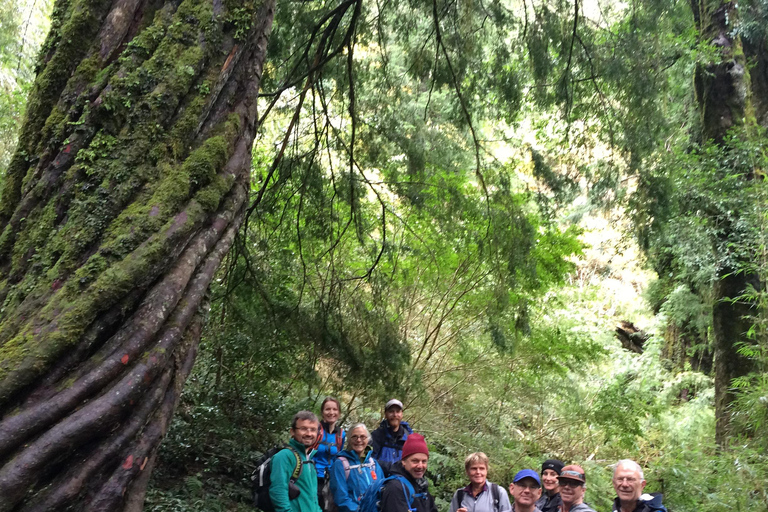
<point>413,468</point>
<point>389,438</point>
<point>354,470</point>
<point>629,482</point>
<point>550,500</point>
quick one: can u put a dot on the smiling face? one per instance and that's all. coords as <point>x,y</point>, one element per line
<point>394,416</point>
<point>416,464</point>
<point>526,492</point>
<point>330,412</point>
<point>305,432</point>
<point>571,491</point>
<point>477,473</point>
<point>628,483</point>
<point>549,481</point>
<point>358,440</point>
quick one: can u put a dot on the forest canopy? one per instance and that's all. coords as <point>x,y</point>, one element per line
<point>539,224</point>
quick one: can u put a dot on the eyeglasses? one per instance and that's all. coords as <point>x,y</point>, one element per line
<point>306,429</point>
<point>570,483</point>
<point>359,438</point>
<point>627,479</point>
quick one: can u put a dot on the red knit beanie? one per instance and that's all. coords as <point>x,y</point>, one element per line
<point>415,444</point>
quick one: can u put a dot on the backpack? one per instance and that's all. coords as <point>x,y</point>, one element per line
<point>371,500</point>
<point>261,478</point>
<point>494,492</point>
<point>339,438</point>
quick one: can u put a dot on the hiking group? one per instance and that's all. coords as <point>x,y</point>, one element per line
<point>325,469</point>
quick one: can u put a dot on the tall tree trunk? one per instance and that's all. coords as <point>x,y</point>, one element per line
<point>724,96</point>
<point>126,191</point>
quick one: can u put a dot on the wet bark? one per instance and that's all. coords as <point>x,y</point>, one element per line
<point>128,186</point>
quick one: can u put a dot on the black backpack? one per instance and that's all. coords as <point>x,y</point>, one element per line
<point>261,478</point>
<point>494,492</point>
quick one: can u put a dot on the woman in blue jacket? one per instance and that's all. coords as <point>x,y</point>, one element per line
<point>330,441</point>
<point>354,470</point>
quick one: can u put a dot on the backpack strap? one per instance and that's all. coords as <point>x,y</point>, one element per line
<point>496,496</point>
<point>408,491</point>
<point>460,495</point>
<point>347,467</point>
<point>339,439</point>
<point>299,464</point>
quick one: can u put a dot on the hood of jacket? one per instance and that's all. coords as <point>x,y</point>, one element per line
<point>419,486</point>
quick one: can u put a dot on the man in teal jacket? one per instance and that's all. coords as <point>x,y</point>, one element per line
<point>303,436</point>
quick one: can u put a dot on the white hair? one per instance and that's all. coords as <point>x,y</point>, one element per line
<point>628,463</point>
<point>355,427</point>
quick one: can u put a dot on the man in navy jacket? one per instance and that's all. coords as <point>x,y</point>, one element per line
<point>389,438</point>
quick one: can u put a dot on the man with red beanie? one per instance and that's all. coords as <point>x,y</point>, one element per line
<point>408,490</point>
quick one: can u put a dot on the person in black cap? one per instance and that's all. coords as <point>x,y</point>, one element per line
<point>550,500</point>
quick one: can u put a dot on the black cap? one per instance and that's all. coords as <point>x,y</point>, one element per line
<point>553,464</point>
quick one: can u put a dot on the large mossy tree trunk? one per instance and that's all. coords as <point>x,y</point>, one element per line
<point>724,96</point>
<point>126,191</point>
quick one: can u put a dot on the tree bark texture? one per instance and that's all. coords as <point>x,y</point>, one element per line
<point>725,99</point>
<point>127,188</point>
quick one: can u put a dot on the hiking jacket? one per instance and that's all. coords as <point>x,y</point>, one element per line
<point>646,503</point>
<point>549,503</point>
<point>283,464</point>
<point>581,507</point>
<point>388,445</point>
<point>327,447</point>
<point>393,495</point>
<point>483,502</point>
<point>348,488</point>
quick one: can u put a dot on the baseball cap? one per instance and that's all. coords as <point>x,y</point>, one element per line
<point>526,473</point>
<point>392,402</point>
<point>573,472</point>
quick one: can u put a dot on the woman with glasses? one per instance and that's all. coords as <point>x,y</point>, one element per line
<point>354,470</point>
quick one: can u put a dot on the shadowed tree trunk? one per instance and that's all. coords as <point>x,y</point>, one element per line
<point>724,96</point>
<point>127,188</point>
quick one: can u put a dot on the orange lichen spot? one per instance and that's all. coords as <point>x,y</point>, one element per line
<point>125,359</point>
<point>128,464</point>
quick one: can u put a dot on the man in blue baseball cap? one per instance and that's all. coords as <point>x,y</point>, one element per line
<point>526,490</point>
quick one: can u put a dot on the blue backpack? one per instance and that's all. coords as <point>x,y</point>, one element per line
<point>371,499</point>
